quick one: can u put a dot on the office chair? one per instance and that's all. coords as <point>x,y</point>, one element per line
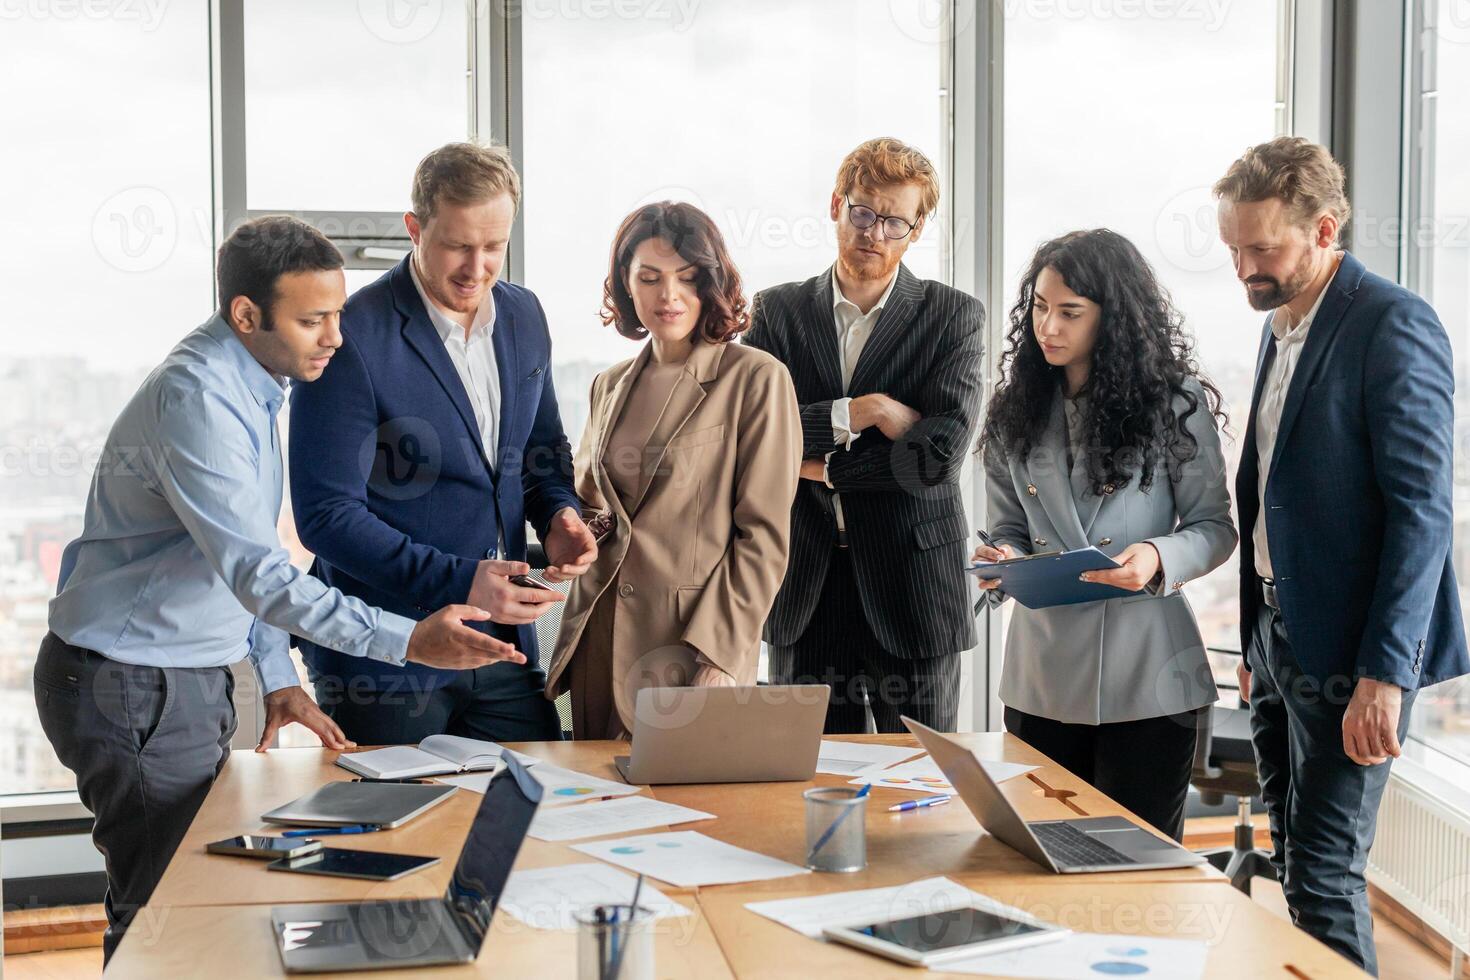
<point>546,629</point>
<point>1225,765</point>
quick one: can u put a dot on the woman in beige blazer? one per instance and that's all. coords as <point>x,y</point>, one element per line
<point>692,450</point>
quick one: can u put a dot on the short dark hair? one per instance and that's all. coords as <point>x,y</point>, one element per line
<point>691,233</point>
<point>261,251</point>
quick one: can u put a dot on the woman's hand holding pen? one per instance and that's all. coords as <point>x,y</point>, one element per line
<point>985,552</point>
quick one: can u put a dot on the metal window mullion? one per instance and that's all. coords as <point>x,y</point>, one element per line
<point>977,260</point>
<point>497,86</point>
<point>227,114</point>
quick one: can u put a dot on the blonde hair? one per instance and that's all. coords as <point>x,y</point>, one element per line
<point>463,173</point>
<point>886,160</point>
<point>1300,173</point>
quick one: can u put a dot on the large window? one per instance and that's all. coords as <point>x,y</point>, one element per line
<point>104,264</point>
<point>744,109</point>
<point>1123,118</point>
<point>1437,248</point>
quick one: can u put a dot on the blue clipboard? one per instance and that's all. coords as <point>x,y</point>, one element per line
<point>1039,581</point>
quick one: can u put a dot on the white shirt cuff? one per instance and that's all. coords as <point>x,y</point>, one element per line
<point>842,433</point>
<point>826,472</point>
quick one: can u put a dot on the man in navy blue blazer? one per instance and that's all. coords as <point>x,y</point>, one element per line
<point>1348,598</point>
<point>419,456</point>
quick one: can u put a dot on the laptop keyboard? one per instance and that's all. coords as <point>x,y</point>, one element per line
<point>1070,847</point>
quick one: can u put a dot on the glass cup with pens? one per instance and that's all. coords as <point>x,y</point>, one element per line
<point>615,942</point>
<point>836,831</point>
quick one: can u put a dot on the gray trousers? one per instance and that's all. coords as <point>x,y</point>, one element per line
<point>1323,806</point>
<point>145,744</point>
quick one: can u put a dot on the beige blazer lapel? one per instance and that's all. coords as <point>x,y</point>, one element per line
<point>612,408</point>
<point>701,368</point>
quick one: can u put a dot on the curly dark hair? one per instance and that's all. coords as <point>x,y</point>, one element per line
<point>722,308</point>
<point>1142,361</point>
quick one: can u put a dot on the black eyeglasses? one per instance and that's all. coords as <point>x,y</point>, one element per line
<point>865,217</point>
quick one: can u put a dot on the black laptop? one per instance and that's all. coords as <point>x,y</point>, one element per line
<point>383,935</point>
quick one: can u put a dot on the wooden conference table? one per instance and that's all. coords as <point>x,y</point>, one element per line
<point>210,915</point>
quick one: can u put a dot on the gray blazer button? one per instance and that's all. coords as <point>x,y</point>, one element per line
<point>1031,489</point>
<point>1108,488</point>
<point>1105,542</point>
<point>1041,542</point>
<point>625,590</point>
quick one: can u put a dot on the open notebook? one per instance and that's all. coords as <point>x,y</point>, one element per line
<point>434,756</point>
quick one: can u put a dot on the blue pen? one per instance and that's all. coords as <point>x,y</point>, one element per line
<point>822,841</point>
<point>358,828</point>
<point>927,801</point>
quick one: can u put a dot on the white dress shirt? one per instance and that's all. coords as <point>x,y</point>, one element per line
<point>1289,343</point>
<point>473,359</point>
<point>854,327</point>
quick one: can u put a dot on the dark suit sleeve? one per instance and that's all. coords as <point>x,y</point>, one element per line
<point>816,417</point>
<point>934,449</point>
<point>331,418</point>
<point>548,474</point>
<point>1409,394</point>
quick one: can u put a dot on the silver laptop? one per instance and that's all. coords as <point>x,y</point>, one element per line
<point>1065,846</point>
<point>760,734</point>
<point>420,932</point>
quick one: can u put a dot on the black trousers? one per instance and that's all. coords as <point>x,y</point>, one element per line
<point>839,649</point>
<point>1144,764</point>
<point>502,702</point>
<point>146,744</point>
<point>1323,806</point>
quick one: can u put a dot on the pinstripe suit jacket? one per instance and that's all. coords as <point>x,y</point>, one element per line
<point>901,500</point>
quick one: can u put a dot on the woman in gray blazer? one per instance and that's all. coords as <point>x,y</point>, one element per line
<point>1102,432</point>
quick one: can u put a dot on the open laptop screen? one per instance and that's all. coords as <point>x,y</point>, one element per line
<point>490,850</point>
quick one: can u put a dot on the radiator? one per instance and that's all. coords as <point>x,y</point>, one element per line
<point>1421,859</point>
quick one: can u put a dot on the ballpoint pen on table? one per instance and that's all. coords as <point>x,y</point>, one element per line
<point>359,828</point>
<point>927,801</point>
<point>827,834</point>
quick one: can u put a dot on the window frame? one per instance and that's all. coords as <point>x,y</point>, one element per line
<point>374,240</point>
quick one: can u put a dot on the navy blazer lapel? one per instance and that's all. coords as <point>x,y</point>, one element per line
<point>419,332</point>
<point>821,333</point>
<point>1319,338</point>
<point>892,324</point>
<point>1264,357</point>
<point>508,366</point>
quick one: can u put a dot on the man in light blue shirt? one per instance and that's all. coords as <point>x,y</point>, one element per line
<point>179,571</point>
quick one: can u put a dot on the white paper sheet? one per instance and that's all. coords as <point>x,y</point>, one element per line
<point>610,817</point>
<point>922,775</point>
<point>811,915</point>
<point>548,898</point>
<point>1095,956</point>
<point>561,785</point>
<point>855,758</point>
<point>568,786</point>
<point>688,860</point>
